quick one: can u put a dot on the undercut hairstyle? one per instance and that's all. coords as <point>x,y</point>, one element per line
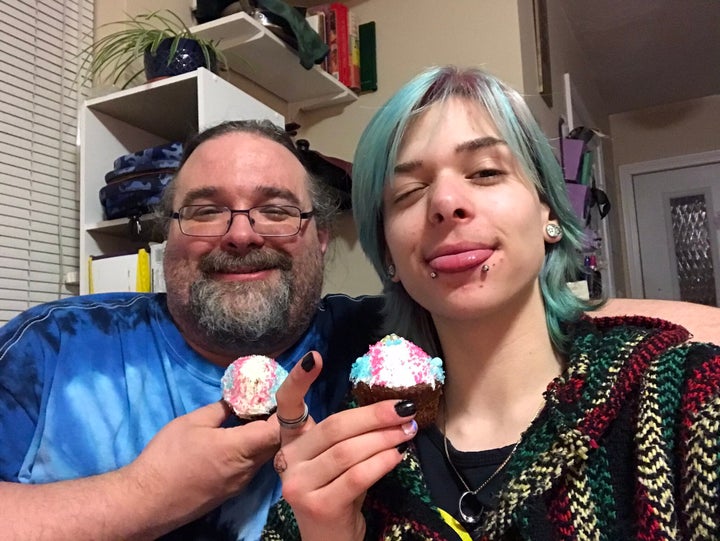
<point>375,159</point>
<point>325,203</point>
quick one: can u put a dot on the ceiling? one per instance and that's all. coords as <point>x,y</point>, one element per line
<point>648,52</point>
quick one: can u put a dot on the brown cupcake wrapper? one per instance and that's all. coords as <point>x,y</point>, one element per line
<point>425,397</point>
<point>248,417</point>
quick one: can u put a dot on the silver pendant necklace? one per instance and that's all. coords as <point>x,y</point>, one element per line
<point>469,513</point>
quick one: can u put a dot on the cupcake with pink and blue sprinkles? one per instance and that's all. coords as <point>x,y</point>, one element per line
<point>397,368</point>
<point>249,385</point>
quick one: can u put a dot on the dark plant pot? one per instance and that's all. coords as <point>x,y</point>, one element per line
<point>188,57</point>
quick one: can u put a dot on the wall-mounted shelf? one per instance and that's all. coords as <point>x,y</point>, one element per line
<point>256,53</point>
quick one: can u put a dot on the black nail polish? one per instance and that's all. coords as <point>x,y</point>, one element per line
<point>402,447</point>
<point>308,361</point>
<point>405,408</point>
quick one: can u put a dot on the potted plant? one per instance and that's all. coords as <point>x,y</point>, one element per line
<point>164,42</point>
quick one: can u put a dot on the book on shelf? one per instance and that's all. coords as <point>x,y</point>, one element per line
<point>368,61</point>
<point>128,272</point>
<point>342,37</point>
<point>354,50</point>
<point>316,21</point>
<point>332,41</point>
<point>157,276</point>
<point>329,34</point>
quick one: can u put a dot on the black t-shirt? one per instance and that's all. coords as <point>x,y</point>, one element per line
<point>475,467</point>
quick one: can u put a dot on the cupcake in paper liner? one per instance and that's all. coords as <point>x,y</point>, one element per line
<point>249,386</point>
<point>396,368</point>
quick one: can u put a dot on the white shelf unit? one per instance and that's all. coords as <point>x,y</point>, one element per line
<point>134,119</point>
<point>259,55</point>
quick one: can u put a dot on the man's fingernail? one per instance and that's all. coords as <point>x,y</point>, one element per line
<point>308,361</point>
<point>405,408</point>
<point>403,447</point>
<point>410,428</point>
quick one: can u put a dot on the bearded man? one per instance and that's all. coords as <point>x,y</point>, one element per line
<point>110,419</point>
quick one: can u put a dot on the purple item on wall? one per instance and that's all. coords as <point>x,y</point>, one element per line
<point>578,195</point>
<point>572,153</point>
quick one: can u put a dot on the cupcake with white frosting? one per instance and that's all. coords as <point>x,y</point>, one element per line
<point>396,368</point>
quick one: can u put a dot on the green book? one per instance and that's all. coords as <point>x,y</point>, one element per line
<point>368,59</point>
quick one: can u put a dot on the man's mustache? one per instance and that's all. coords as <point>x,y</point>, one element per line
<point>252,261</point>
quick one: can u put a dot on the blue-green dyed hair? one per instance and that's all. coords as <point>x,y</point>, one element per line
<point>375,159</point>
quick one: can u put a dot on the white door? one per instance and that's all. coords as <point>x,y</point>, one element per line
<point>677,214</point>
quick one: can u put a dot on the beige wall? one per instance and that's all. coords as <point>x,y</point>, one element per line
<point>566,57</point>
<point>116,10</point>
<point>675,129</point>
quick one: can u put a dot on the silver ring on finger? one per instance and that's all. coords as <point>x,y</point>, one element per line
<point>294,424</point>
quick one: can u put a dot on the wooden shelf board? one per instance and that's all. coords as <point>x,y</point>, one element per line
<point>119,227</point>
<point>155,107</point>
<point>256,53</point>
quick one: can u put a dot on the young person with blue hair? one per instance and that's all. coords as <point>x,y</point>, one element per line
<point>552,425</point>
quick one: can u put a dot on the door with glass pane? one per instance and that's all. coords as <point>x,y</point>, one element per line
<point>678,214</point>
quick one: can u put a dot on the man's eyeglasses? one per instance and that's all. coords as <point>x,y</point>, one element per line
<point>265,220</point>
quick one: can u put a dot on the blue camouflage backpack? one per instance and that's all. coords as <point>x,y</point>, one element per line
<point>137,180</point>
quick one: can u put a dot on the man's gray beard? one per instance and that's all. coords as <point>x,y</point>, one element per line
<point>241,315</point>
<point>255,317</point>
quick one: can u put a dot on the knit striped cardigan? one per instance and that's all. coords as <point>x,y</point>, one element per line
<point>627,447</point>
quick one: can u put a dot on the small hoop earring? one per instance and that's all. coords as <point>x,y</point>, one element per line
<point>553,230</point>
<point>391,270</point>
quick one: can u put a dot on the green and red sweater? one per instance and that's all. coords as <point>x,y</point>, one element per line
<point>627,447</point>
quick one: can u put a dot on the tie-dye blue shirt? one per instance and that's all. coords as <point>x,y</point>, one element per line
<point>86,382</point>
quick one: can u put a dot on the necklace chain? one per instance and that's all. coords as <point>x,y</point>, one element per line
<point>485,483</point>
<point>472,519</point>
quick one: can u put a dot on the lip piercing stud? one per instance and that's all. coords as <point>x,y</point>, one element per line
<point>485,267</point>
<point>433,275</point>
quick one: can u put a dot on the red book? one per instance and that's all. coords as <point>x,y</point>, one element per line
<point>342,37</point>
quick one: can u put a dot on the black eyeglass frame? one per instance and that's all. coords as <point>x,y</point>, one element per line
<point>306,215</point>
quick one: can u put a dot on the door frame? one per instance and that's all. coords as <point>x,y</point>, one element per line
<point>627,198</point>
